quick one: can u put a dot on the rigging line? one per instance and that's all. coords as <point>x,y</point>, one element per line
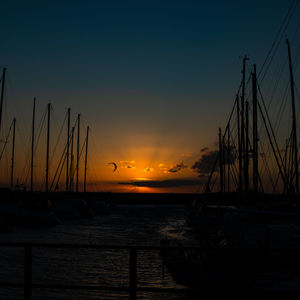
<point>63,156</point>
<point>294,38</point>
<point>39,131</point>
<point>233,166</point>
<point>12,105</point>
<point>276,85</point>
<point>269,122</point>
<point>61,169</point>
<point>276,37</point>
<point>291,173</point>
<point>232,142</point>
<point>230,117</point>
<point>297,92</point>
<point>264,152</point>
<point>274,151</point>
<point>267,69</point>
<point>280,31</point>
<point>40,128</point>
<point>267,168</point>
<point>296,57</point>
<point>59,136</point>
<point>260,183</point>
<point>290,158</point>
<point>281,109</point>
<point>6,141</point>
<point>25,146</point>
<point>286,159</point>
<point>298,108</point>
<point>60,166</point>
<point>214,182</point>
<point>80,154</point>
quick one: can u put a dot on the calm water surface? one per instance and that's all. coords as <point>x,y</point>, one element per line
<point>128,225</point>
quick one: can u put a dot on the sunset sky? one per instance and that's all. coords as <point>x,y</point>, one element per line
<point>153,79</point>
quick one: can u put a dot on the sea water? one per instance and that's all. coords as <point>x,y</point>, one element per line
<point>127,225</point>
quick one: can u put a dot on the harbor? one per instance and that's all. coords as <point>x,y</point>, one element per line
<point>164,167</point>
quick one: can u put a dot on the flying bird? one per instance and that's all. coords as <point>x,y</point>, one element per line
<point>114,164</point>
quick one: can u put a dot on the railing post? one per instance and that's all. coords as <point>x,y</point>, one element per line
<point>132,273</point>
<point>27,272</point>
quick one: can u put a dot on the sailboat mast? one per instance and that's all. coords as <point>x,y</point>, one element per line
<point>32,146</point>
<point>47,150</point>
<point>77,160</point>
<point>239,144</point>
<point>228,158</point>
<point>221,162</point>
<point>295,143</point>
<point>2,95</point>
<point>243,147</point>
<point>86,156</point>
<point>255,136</point>
<point>13,155</point>
<point>72,161</point>
<point>247,148</point>
<point>68,151</point>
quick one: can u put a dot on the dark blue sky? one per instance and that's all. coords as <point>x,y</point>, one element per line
<point>144,74</point>
<point>163,46</point>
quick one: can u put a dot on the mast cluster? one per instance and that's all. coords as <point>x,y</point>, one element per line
<point>247,147</point>
<point>67,158</point>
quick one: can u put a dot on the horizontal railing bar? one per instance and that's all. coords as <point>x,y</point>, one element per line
<point>140,247</point>
<point>80,287</point>
<point>163,290</point>
<point>10,284</point>
<point>96,246</point>
<point>104,288</point>
<point>92,287</point>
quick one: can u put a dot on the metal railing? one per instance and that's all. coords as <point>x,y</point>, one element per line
<point>132,289</point>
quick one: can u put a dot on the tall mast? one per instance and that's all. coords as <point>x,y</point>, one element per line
<point>72,161</point>
<point>48,144</point>
<point>13,155</point>
<point>255,136</point>
<point>221,162</point>
<point>247,148</point>
<point>243,119</point>
<point>2,95</point>
<point>239,144</point>
<point>295,143</point>
<point>77,160</point>
<point>86,156</point>
<point>228,158</point>
<point>68,151</point>
<point>32,146</point>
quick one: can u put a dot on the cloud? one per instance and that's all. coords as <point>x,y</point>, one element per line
<point>204,149</point>
<point>127,164</point>
<point>177,168</point>
<point>163,183</point>
<point>205,163</point>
